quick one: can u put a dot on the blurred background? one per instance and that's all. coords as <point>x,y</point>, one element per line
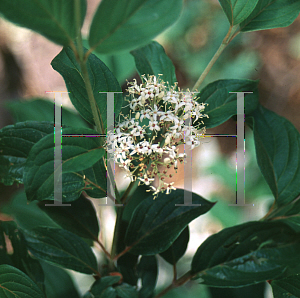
<point>271,56</point>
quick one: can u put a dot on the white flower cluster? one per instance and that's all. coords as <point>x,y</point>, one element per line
<point>145,144</point>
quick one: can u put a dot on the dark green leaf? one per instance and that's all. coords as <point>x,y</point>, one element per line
<point>102,288</point>
<point>256,290</point>
<point>127,267</point>
<point>152,60</point>
<point>16,142</point>
<point>27,216</point>
<point>97,175</point>
<point>80,218</point>
<point>62,248</point>
<point>287,287</point>
<point>55,19</point>
<point>15,283</point>
<point>288,214</point>
<point>58,282</point>
<point>120,64</point>
<point>155,232</point>
<point>277,145</point>
<point>178,248</point>
<point>237,10</point>
<point>292,221</point>
<point>247,254</point>
<point>134,200</point>
<point>221,104</point>
<point>270,14</point>
<point>38,109</point>
<point>147,270</point>
<point>126,291</point>
<point>78,153</point>
<point>101,78</point>
<point>119,25</point>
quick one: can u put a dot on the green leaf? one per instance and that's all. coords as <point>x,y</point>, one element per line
<point>147,270</point>
<point>54,19</point>
<point>277,145</point>
<point>101,78</point>
<point>62,248</point>
<point>152,60</point>
<point>155,233</point>
<point>256,290</point>
<point>126,291</point>
<point>292,221</point>
<point>102,288</point>
<point>269,14</point>
<point>58,282</point>
<point>247,254</point>
<point>16,142</point>
<point>97,175</point>
<point>127,267</point>
<point>27,216</point>
<point>119,25</point>
<point>38,109</point>
<point>141,193</point>
<point>222,105</point>
<point>80,218</point>
<point>237,10</point>
<point>287,287</point>
<point>178,248</point>
<point>120,64</point>
<point>15,283</point>
<point>78,153</point>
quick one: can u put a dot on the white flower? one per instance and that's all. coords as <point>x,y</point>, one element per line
<point>154,113</point>
<point>153,125</point>
<point>193,142</point>
<point>136,146</point>
<point>146,179</point>
<point>169,187</point>
<point>156,148</point>
<point>169,116</point>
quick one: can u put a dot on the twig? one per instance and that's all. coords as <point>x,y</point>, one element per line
<point>223,45</point>
<point>175,284</point>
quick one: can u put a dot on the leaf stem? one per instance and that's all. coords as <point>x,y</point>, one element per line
<point>111,177</point>
<point>94,108</point>
<point>82,62</point>
<point>103,248</point>
<point>120,210</point>
<point>78,29</point>
<point>122,252</point>
<point>174,272</point>
<point>117,231</point>
<point>228,38</point>
<point>129,188</point>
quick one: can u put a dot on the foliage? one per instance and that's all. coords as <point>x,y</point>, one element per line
<point>34,253</point>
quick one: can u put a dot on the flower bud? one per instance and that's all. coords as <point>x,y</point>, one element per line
<point>167,160</point>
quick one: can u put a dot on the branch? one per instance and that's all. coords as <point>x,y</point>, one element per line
<point>176,283</point>
<point>223,45</point>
